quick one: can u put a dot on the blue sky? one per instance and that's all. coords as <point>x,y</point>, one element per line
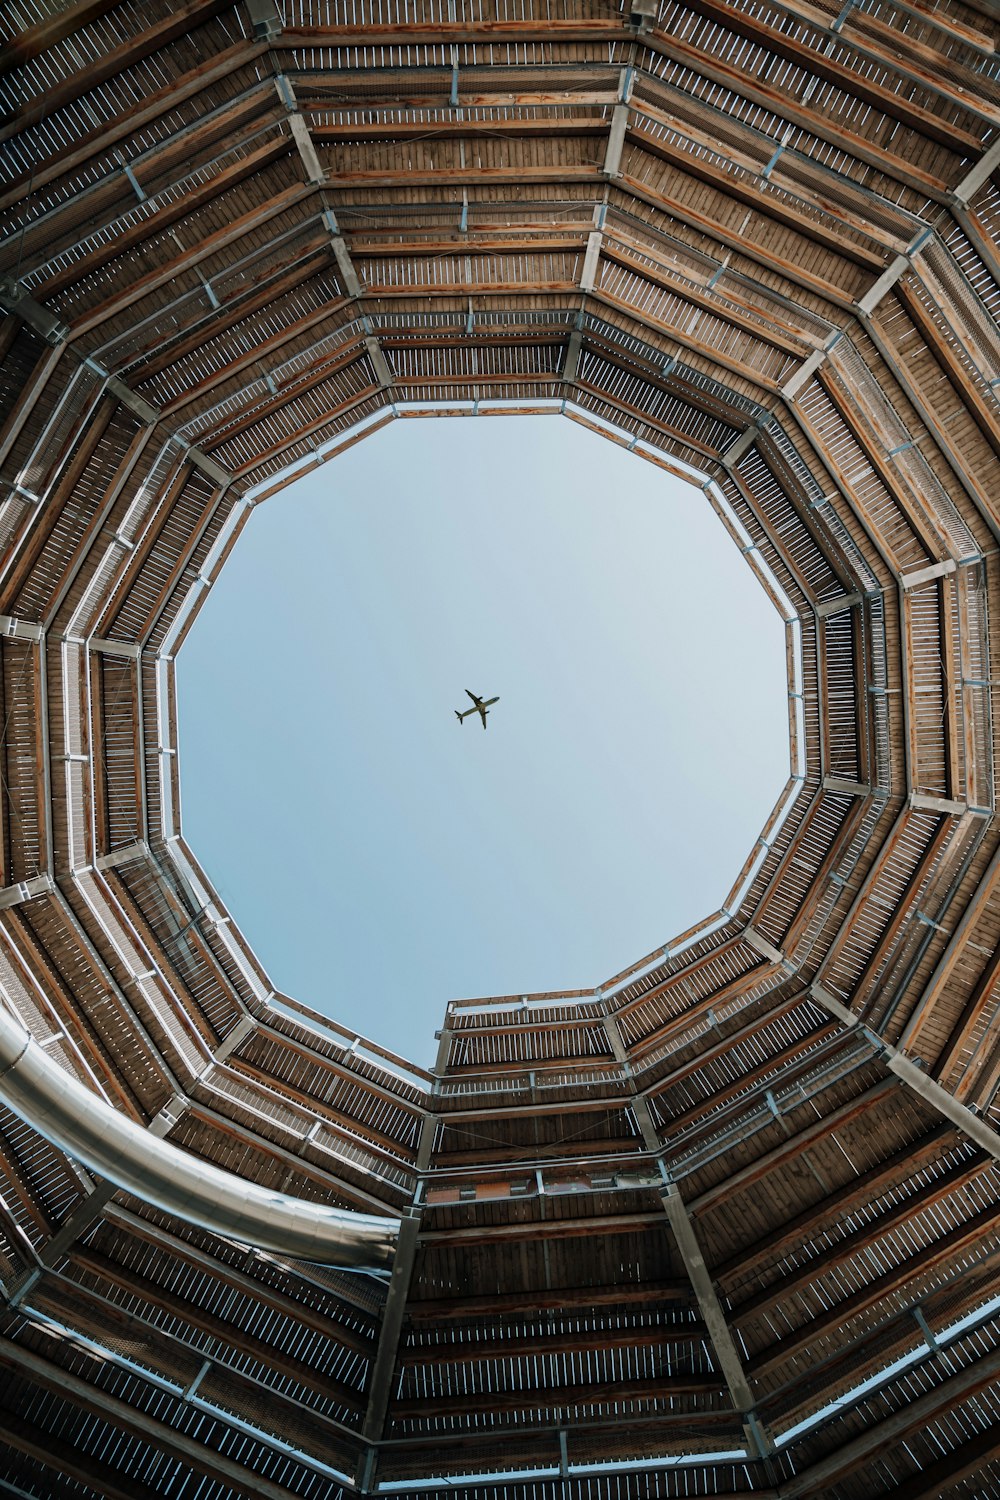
<point>382,859</point>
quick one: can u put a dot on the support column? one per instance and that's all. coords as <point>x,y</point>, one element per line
<point>380,1386</point>
<point>758,1440</point>
<point>908,1072</point>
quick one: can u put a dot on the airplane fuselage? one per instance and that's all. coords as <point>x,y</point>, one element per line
<point>480,706</point>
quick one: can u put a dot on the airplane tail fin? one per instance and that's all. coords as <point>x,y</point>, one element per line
<point>459,717</point>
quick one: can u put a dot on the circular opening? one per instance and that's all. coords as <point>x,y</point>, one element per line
<point>381,857</point>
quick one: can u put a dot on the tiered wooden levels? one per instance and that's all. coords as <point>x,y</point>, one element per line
<point>729,1224</point>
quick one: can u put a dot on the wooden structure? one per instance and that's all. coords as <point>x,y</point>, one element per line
<point>728,1225</point>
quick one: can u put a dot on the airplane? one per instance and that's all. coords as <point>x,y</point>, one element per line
<point>479,707</point>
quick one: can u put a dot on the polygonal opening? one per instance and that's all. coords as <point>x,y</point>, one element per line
<point>640,741</point>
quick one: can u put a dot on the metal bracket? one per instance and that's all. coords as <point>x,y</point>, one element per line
<point>380,364</point>
<point>907,1071</point>
<point>16,300</point>
<point>590,261</point>
<point>352,283</point>
<point>837,606</point>
<point>265,22</point>
<point>571,364</point>
<point>616,140</point>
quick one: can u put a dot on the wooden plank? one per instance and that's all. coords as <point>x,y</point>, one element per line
<point>109,132</point>
<point>628,1294</point>
<point>543,1345</point>
<point>893,104</point>
<point>342,1290</point>
<point>834,1205</point>
<point>124,298</point>
<point>554,1398</point>
<point>230,1336</point>
<point>804,1279</point>
<point>786,107</point>
<point>183,17</point>
<point>581,1227</point>
<point>67,1386</point>
<point>780,1155</point>
<point>34,40</point>
<point>68,1461</point>
<point>877,1290</point>
<point>951,364</point>
<point>967,1461</point>
<point>823,232</point>
<point>355,132</point>
<point>879,1438</point>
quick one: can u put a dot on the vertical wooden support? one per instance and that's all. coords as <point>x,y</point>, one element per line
<point>380,1386</point>
<point>758,1440</point>
<point>909,1073</point>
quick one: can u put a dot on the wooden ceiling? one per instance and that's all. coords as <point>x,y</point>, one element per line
<point>729,1224</point>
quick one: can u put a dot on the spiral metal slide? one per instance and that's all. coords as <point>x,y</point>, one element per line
<point>69,1115</point>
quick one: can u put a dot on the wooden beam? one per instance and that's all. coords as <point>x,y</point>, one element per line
<point>542,1344</point>
<point>132,120</point>
<point>897,50</point>
<point>952,365</point>
<point>555,127</point>
<point>616,1153</point>
<point>798,1058</point>
<point>891,103</point>
<point>820,231</point>
<point>554,1397</point>
<point>893,921</point>
<point>321,321</point>
<point>847,1458</point>
<point>34,40</point>
<point>227,1335</point>
<point>946,1248</point>
<point>357,1306</point>
<point>786,107</point>
<point>979,998</point>
<point>792,1147</point>
<point>183,17</point>
<point>68,1461</point>
<point>468,176</point>
<point>187,260</point>
<point>835,1205</point>
<point>968,1461</point>
<point>627,1294</point>
<point>589,85</point>
<point>74,228</point>
<point>580,1226</point>
<point>165,1439</point>
<point>933,1093</point>
<point>923,524</point>
<point>548,32</point>
<point>305,380</point>
<point>735,239</point>
<point>307,430</point>
<point>803,1279</point>
<point>637,256</point>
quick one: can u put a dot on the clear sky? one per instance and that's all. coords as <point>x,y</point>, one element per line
<point>382,859</point>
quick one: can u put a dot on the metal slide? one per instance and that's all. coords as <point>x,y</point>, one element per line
<point>72,1117</point>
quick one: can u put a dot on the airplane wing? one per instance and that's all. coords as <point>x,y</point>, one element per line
<point>475,700</point>
<point>482,715</point>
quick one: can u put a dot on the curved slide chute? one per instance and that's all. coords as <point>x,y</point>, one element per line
<point>76,1120</point>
